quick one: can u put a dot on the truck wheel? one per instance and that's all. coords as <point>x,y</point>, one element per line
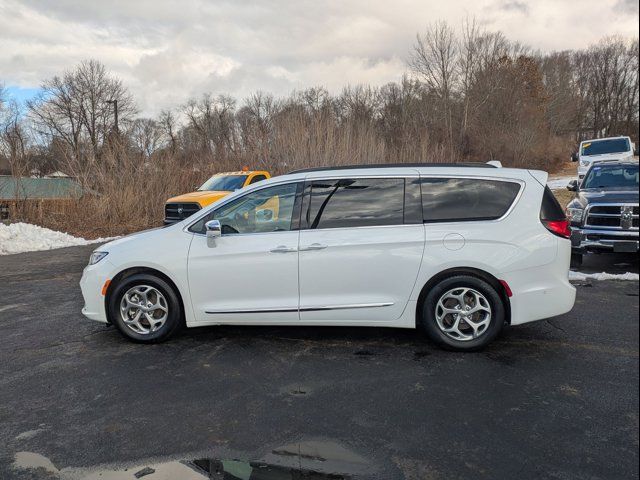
<point>462,313</point>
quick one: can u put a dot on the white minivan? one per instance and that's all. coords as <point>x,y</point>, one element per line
<point>457,251</point>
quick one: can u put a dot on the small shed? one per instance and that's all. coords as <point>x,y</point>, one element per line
<point>16,191</point>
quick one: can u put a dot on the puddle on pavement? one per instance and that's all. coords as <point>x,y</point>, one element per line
<point>314,460</point>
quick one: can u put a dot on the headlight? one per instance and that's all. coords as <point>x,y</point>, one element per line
<point>575,214</point>
<point>96,257</point>
<point>585,163</point>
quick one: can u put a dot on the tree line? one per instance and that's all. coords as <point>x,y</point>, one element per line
<point>467,95</point>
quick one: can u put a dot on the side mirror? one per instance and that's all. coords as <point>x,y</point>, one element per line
<point>214,230</point>
<point>574,157</point>
<point>573,186</point>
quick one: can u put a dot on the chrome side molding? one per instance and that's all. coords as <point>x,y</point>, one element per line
<point>301,309</point>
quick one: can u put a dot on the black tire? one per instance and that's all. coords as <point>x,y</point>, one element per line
<point>429,324</point>
<point>576,260</point>
<point>175,318</point>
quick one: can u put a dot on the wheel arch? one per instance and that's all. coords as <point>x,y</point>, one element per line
<point>474,272</point>
<point>127,272</point>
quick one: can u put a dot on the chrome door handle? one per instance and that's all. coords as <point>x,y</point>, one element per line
<point>283,249</point>
<point>313,246</point>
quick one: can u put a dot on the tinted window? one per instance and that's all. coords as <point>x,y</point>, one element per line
<point>551,209</point>
<point>355,202</point>
<point>466,199</point>
<point>224,183</point>
<point>412,201</point>
<point>266,210</point>
<point>257,178</point>
<point>600,147</point>
<point>612,176</point>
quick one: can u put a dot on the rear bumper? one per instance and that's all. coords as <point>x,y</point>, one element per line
<point>542,292</point>
<point>591,239</point>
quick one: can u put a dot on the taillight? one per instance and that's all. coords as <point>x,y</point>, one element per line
<point>552,216</point>
<point>561,228</point>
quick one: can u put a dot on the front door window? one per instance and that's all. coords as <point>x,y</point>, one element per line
<point>263,211</point>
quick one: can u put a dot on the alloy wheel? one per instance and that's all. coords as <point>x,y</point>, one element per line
<point>144,309</point>
<point>463,314</point>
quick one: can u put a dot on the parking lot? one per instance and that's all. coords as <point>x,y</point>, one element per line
<point>554,399</point>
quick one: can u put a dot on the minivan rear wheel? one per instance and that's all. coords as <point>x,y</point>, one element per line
<point>463,313</point>
<point>145,308</point>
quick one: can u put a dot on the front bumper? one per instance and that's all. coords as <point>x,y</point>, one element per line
<point>592,239</point>
<point>91,283</point>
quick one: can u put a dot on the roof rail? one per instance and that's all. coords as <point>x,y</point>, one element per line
<point>396,165</point>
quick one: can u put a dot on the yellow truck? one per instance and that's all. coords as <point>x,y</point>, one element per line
<point>218,186</point>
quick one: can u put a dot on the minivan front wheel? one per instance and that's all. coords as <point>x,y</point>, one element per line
<point>145,308</point>
<point>462,313</point>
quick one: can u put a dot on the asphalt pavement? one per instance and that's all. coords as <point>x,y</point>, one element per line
<point>554,399</point>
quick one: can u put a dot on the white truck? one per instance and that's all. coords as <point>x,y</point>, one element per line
<point>602,150</point>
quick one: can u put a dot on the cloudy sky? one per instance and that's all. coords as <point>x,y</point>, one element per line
<point>167,51</point>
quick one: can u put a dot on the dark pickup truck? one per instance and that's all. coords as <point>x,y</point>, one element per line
<point>604,212</point>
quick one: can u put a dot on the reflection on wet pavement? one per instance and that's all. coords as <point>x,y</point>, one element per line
<point>237,470</point>
<point>311,460</point>
<point>206,468</point>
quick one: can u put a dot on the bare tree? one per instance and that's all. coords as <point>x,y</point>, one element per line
<point>14,141</point>
<point>211,118</point>
<point>146,135</point>
<point>434,58</point>
<point>168,125</point>
<point>75,109</point>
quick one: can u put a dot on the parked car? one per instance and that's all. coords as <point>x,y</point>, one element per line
<point>602,150</point>
<point>604,212</point>
<point>218,186</point>
<point>456,251</point>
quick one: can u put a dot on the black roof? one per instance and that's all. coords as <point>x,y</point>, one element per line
<point>395,165</point>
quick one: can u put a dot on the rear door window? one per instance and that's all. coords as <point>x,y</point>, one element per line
<point>466,199</point>
<point>354,202</point>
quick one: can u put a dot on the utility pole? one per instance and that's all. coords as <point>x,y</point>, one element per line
<point>115,112</point>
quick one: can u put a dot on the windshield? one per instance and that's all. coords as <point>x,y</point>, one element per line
<point>612,176</point>
<point>601,147</point>
<point>224,183</point>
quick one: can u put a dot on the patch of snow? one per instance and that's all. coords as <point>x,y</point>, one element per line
<point>558,183</point>
<point>581,277</point>
<point>24,237</point>
<point>31,460</point>
<point>29,434</point>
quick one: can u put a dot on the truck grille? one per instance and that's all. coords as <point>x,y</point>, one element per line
<point>613,217</point>
<point>174,212</point>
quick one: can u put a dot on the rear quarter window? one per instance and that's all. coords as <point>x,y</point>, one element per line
<point>466,199</point>
<point>550,210</point>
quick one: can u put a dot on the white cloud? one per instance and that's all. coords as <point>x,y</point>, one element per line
<point>168,51</point>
